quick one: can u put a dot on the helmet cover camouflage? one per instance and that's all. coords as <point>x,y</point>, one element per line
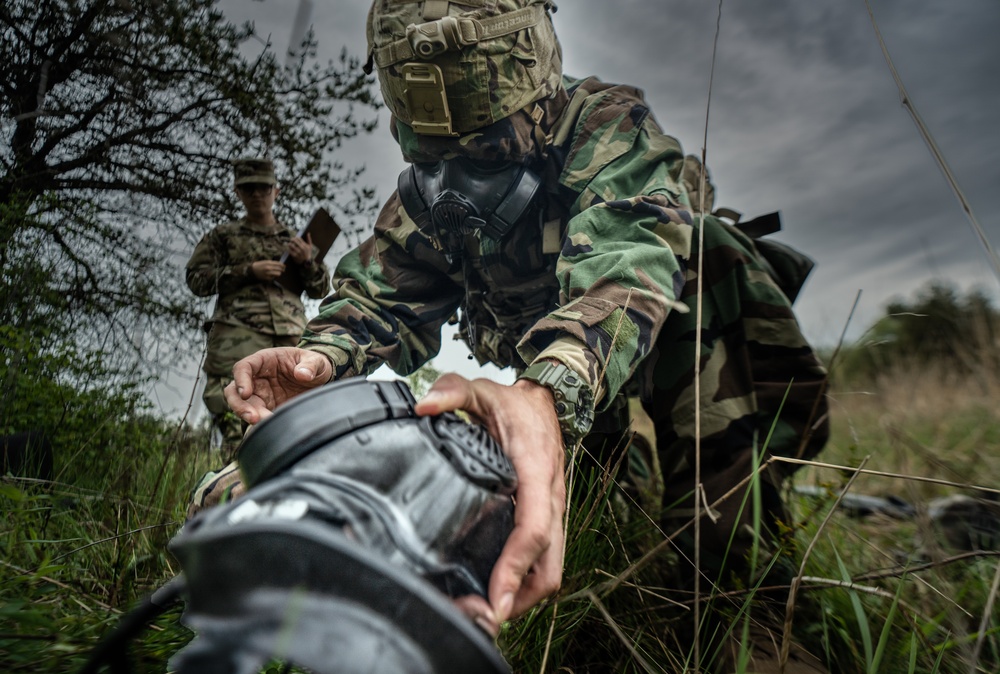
<point>486,58</point>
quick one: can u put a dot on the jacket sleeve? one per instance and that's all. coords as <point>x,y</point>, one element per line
<point>208,274</point>
<point>623,261</point>
<point>391,297</point>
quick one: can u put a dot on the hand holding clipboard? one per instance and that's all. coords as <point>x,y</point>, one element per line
<point>321,232</point>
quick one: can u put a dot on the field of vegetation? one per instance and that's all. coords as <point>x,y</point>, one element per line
<point>904,590</point>
<point>122,118</point>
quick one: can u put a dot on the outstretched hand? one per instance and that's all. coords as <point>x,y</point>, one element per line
<point>522,419</point>
<point>266,379</point>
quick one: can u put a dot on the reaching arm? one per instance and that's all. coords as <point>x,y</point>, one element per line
<point>392,295</point>
<point>391,298</point>
<point>622,266</point>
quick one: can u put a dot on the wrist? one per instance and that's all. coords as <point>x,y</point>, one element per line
<point>540,395</point>
<point>569,395</point>
<point>245,271</point>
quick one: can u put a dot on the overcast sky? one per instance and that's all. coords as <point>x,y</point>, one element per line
<point>805,118</point>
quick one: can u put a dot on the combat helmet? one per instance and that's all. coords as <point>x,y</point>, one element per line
<point>449,68</point>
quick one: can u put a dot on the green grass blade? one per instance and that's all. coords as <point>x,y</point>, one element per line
<point>883,640</point>
<point>864,629</point>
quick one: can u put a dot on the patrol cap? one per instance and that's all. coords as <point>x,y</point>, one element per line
<point>254,170</point>
<point>450,67</point>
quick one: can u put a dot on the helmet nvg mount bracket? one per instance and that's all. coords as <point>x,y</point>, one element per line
<point>361,523</point>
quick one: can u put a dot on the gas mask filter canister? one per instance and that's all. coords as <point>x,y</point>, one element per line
<point>360,524</point>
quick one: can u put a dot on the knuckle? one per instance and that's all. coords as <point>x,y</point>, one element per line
<point>537,538</point>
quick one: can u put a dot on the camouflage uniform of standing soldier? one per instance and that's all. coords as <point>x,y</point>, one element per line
<point>240,261</point>
<point>553,214</point>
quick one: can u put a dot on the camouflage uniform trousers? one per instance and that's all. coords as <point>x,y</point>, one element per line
<point>762,394</point>
<point>228,344</point>
<point>658,475</point>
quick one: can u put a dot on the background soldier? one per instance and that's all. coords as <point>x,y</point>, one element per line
<point>240,261</point>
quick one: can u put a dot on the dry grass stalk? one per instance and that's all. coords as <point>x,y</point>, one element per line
<point>786,637</point>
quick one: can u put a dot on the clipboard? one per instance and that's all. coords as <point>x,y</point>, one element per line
<point>323,231</point>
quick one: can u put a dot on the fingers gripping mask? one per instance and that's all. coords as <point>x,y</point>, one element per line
<point>362,521</point>
<point>449,200</point>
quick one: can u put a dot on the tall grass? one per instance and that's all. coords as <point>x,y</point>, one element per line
<point>874,594</point>
<point>79,551</point>
<point>898,588</point>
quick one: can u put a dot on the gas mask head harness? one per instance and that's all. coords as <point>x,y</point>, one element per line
<point>362,521</point>
<point>449,200</point>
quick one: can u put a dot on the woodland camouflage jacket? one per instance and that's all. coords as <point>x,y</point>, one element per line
<point>593,287</point>
<point>220,265</point>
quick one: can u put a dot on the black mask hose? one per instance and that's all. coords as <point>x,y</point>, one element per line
<point>112,650</point>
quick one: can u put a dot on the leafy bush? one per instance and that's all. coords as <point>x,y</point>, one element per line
<point>939,325</point>
<point>79,550</point>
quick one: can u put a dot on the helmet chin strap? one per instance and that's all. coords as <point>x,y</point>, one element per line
<point>543,138</point>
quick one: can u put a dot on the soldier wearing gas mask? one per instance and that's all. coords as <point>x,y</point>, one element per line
<point>563,226</point>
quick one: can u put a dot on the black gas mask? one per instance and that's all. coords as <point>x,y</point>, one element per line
<point>451,199</point>
<point>360,523</point>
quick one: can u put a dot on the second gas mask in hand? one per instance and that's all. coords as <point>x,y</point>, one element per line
<point>452,199</point>
<point>361,522</point>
